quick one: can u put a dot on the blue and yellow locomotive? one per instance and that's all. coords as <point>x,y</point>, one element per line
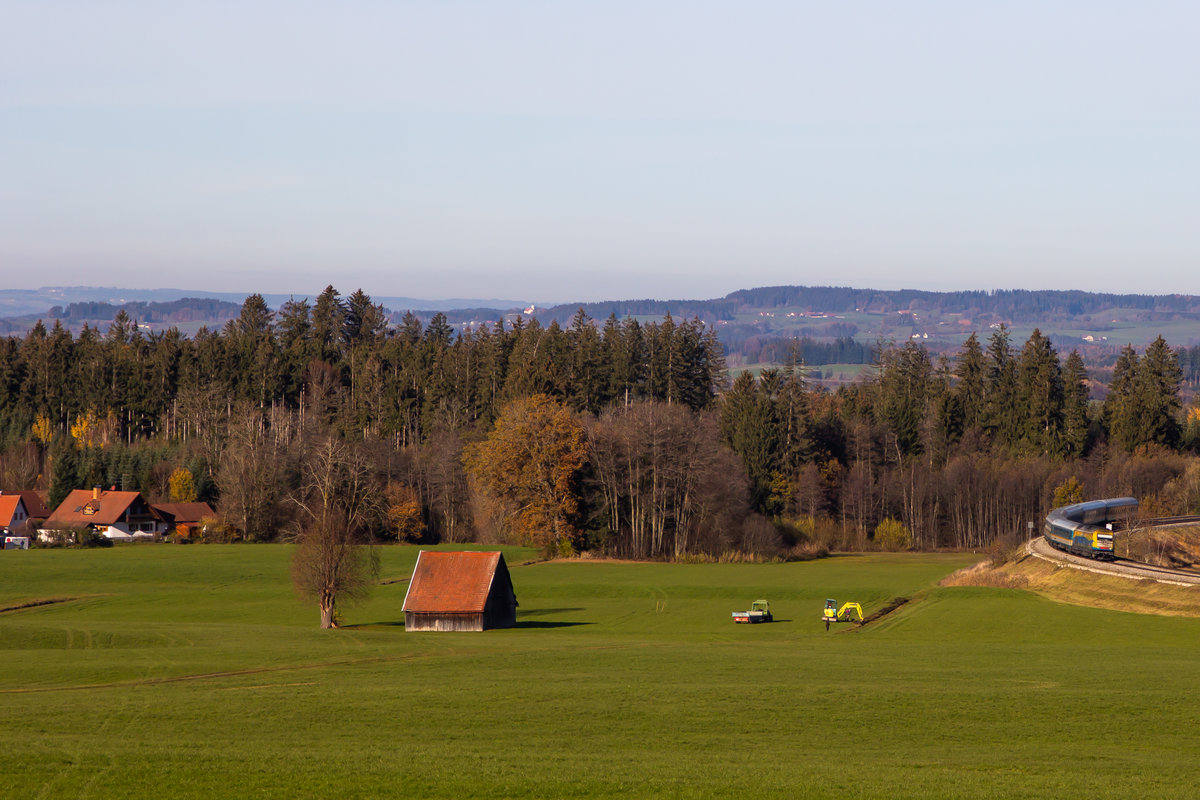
<point>1081,528</point>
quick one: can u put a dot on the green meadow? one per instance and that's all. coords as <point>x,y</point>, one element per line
<point>194,672</point>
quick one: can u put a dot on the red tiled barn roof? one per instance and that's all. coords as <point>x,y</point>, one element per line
<point>451,583</point>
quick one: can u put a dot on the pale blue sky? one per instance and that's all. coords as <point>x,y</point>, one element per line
<point>560,151</point>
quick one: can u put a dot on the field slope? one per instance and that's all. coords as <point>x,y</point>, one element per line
<point>193,672</point>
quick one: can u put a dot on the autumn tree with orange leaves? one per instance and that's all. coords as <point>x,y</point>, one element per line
<point>530,462</point>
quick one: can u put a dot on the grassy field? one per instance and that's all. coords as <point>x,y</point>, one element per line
<point>825,372</point>
<point>193,672</point>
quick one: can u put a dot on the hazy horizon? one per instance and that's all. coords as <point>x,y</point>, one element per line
<point>566,152</point>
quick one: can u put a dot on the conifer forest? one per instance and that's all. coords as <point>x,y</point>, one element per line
<point>620,437</point>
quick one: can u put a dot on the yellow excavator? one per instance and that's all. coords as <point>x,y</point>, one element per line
<point>849,612</point>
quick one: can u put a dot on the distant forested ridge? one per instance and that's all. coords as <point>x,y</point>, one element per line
<point>184,310</point>
<point>1018,304</point>
<point>1015,304</point>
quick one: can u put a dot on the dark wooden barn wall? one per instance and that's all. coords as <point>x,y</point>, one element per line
<point>414,621</point>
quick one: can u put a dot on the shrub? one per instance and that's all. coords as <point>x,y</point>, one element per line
<point>796,531</point>
<point>806,552</point>
<point>216,530</point>
<point>1006,548</point>
<point>892,535</point>
<point>87,538</point>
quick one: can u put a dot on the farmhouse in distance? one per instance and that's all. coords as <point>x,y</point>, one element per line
<point>460,591</point>
<point>117,515</point>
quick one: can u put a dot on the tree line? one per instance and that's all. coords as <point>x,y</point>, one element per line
<point>620,436</point>
<point>1026,305</point>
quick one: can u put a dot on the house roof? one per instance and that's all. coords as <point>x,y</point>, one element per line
<point>35,503</point>
<point>451,583</point>
<point>183,513</point>
<point>8,507</point>
<point>81,508</point>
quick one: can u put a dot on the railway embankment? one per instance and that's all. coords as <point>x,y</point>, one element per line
<point>1120,585</point>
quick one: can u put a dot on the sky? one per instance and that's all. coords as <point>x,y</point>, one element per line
<point>575,151</point>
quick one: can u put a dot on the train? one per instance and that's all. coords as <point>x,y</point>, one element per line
<point>1083,528</point>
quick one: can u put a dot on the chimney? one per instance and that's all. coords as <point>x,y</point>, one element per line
<point>95,492</point>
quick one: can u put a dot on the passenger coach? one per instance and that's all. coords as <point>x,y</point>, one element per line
<point>1083,528</point>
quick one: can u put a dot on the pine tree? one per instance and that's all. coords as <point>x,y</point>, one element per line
<point>1075,406</point>
<point>1001,413</point>
<point>252,337</point>
<point>327,319</point>
<point>750,428</point>
<point>295,346</point>
<point>585,384</point>
<point>1121,404</point>
<point>410,328</point>
<point>626,359</point>
<point>1157,390</point>
<point>904,389</point>
<point>1040,394</point>
<point>792,412</point>
<point>971,372</point>
<point>947,413</point>
<point>362,321</point>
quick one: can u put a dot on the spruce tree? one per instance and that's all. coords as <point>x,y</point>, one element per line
<point>971,371</point>
<point>1075,406</point>
<point>1002,416</point>
<point>1040,394</point>
<point>904,392</point>
<point>748,426</point>
<point>1157,390</point>
<point>1120,406</point>
<point>327,316</point>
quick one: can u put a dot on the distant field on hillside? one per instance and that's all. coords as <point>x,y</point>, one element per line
<point>193,672</point>
<point>825,372</point>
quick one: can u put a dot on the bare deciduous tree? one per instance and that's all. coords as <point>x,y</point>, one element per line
<point>665,480</point>
<point>250,480</point>
<point>337,503</point>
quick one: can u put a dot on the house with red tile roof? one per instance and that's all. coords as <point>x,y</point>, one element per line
<point>460,591</point>
<point>116,515</point>
<point>13,514</point>
<point>183,515</point>
<point>35,503</point>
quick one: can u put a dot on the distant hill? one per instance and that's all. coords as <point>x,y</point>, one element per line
<point>1018,304</point>
<point>162,308</point>
<point>38,302</point>
<point>826,324</point>
<point>765,325</point>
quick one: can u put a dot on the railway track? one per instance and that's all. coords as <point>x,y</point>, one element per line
<point>1121,567</point>
<point>1160,522</point>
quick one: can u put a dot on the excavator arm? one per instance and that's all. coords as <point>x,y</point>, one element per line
<point>850,611</point>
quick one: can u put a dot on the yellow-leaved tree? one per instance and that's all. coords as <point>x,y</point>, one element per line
<point>1068,492</point>
<point>403,512</point>
<point>42,431</point>
<point>530,462</point>
<point>892,535</point>
<point>182,486</point>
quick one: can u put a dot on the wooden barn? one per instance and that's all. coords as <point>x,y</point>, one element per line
<point>465,591</point>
